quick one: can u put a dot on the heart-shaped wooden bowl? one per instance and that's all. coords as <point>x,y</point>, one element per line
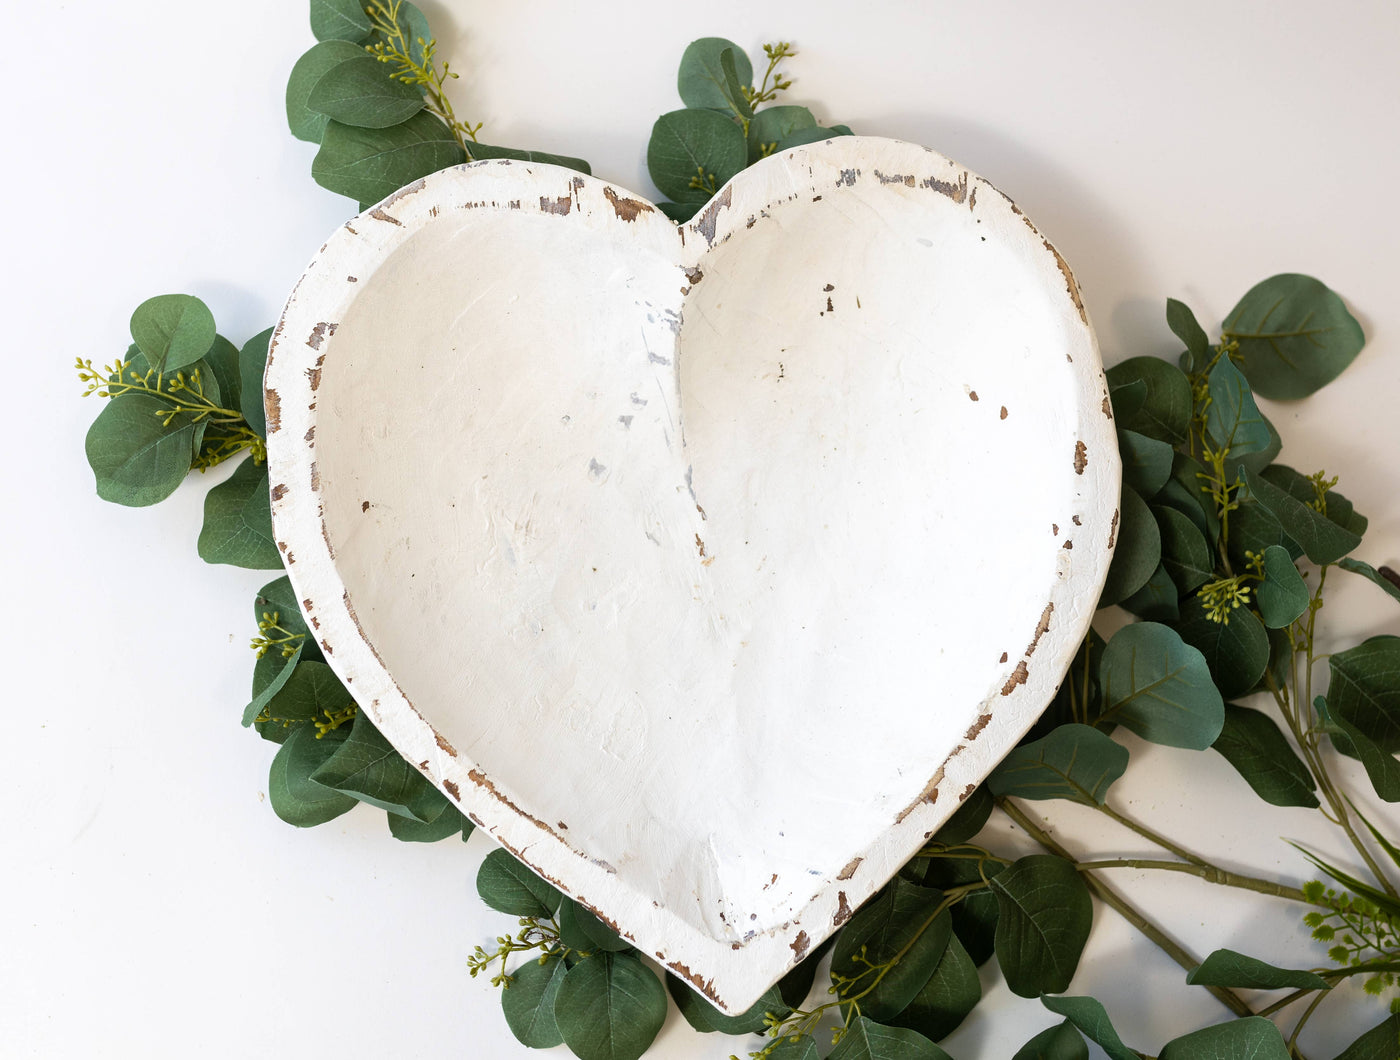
<point>706,567</point>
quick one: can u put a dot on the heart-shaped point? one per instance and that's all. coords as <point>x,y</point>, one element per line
<point>707,568</point>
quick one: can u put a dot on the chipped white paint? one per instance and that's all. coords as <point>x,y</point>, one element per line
<point>707,568</point>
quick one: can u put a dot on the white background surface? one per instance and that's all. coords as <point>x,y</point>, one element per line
<point>152,905</point>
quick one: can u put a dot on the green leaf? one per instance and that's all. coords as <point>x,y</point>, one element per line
<point>371,164</point>
<point>413,24</point>
<point>610,1006</point>
<point>361,92</point>
<point>580,929</point>
<point>1386,903</point>
<point>1185,494</point>
<point>1295,335</point>
<point>1321,539</point>
<point>902,915</point>
<point>1079,695</point>
<point>1060,1042</point>
<point>238,521</point>
<point>1147,462</point>
<point>800,137</point>
<point>368,767</point>
<point>272,671</point>
<point>1283,595</point>
<point>1381,1042</point>
<point>309,692</point>
<point>1365,689</point>
<point>219,367</point>
<point>480,151</point>
<point>507,886</point>
<point>1045,913</point>
<point>1074,762</point>
<point>1259,459</point>
<point>528,1003</point>
<point>295,797</point>
<point>705,1018</point>
<point>1160,687</point>
<point>691,145</point>
<point>1138,550</point>
<point>945,1000</point>
<point>305,123</point>
<point>252,362</point>
<point>967,819</point>
<point>1236,652</point>
<point>1164,411</point>
<point>448,823</point>
<point>732,87</point>
<point>1390,584</point>
<point>975,916</point>
<point>1255,746</point>
<point>172,331</point>
<point>1381,767</point>
<point>680,212</point>
<point>772,125</point>
<point>867,1040</point>
<point>1228,968</point>
<point>1233,420</point>
<point>270,675</point>
<point>1248,1038</point>
<point>701,79</point>
<point>794,1047</point>
<point>1186,555</point>
<point>1089,1016</point>
<point>339,20</point>
<point>1185,327</point>
<point>1127,396</point>
<point>136,459</point>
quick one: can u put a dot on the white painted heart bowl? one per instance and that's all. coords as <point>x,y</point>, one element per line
<point>706,567</point>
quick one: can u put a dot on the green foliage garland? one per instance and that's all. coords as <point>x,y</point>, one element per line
<point>1222,553</point>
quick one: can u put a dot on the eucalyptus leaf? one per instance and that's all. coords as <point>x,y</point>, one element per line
<point>252,363</point>
<point>610,1006</point>
<point>1147,462</point>
<point>1089,1016</point>
<point>1236,650</point>
<point>1228,968</point>
<point>950,994</point>
<point>580,929</point>
<point>305,123</point>
<point>1185,327</point>
<point>238,521</point>
<point>1185,493</point>
<point>1322,540</point>
<point>1060,1042</point>
<point>172,331</point>
<point>277,599</point>
<point>794,1047</point>
<point>1157,601</point>
<point>270,675</point>
<point>1370,573</point>
<point>1382,768</point>
<point>1164,411</point>
<point>1160,687</point>
<point>295,797</point>
<point>800,137</point>
<point>967,819</point>
<point>1186,554</point>
<point>1233,420</point>
<point>309,693</point>
<point>1295,336</point>
<point>680,212</point>
<point>412,24</point>
<point>772,125</point>
<point>1283,595</point>
<point>733,87</point>
<point>701,80</point>
<point>1262,755</point>
<point>1075,762</point>
<point>1381,1042</point>
<point>1247,1038</point>
<point>1258,459</point>
<point>367,766</point>
<point>448,823</point>
<point>219,374</point>
<point>340,20</point>
<point>507,886</point>
<point>1045,913</point>
<point>1079,696</point>
<point>694,145</point>
<point>705,1018</point>
<point>865,1039</point>
<point>903,918</point>
<point>975,916</point>
<point>528,1002</point>
<point>481,151</point>
<point>371,164</point>
<point>361,92</point>
<point>137,458</point>
<point>1365,689</point>
<point>1137,551</point>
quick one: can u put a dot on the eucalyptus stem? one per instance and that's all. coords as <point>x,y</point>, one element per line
<point>1120,905</point>
<point>1154,837</point>
<point>1209,873</point>
<point>1307,1013</point>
